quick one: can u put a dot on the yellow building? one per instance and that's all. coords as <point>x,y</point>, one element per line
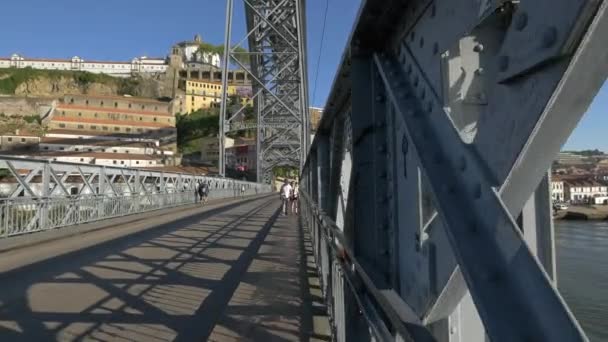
<point>205,94</point>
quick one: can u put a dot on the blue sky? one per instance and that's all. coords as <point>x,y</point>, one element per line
<point>121,30</point>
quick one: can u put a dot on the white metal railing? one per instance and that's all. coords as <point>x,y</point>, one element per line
<point>39,195</point>
<point>28,215</point>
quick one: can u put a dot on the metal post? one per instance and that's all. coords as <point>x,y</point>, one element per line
<point>224,104</point>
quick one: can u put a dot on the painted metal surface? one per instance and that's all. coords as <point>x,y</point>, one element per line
<point>275,46</point>
<point>427,181</point>
<point>39,195</point>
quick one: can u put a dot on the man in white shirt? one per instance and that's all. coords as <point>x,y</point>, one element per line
<point>285,196</point>
<point>294,198</point>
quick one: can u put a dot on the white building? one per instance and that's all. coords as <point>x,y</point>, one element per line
<point>93,158</point>
<point>584,191</point>
<point>189,51</point>
<point>557,190</point>
<point>102,146</point>
<point>121,69</point>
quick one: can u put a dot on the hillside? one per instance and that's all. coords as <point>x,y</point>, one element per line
<point>55,83</point>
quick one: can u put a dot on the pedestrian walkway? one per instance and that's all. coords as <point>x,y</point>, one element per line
<point>230,273</point>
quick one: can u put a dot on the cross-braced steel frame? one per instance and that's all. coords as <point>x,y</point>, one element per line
<point>426,190</point>
<point>38,195</point>
<point>276,51</point>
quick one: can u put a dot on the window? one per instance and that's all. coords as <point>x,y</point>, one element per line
<point>127,151</point>
<point>143,107</point>
<point>116,129</point>
<point>74,191</point>
<point>137,162</point>
<point>81,126</point>
<point>79,114</point>
<point>87,102</point>
<point>63,113</point>
<point>76,149</point>
<point>81,159</point>
<point>140,118</point>
<point>128,129</point>
<point>61,125</point>
<point>122,162</point>
<point>129,105</point>
<point>72,100</point>
<point>154,119</point>
<point>93,127</point>
<point>103,150</point>
<point>105,128</point>
<point>101,104</point>
<point>140,130</point>
<point>90,150</point>
<point>10,139</point>
<point>115,104</point>
<point>149,163</point>
<point>62,148</point>
<point>155,107</point>
<point>95,114</point>
<point>115,151</point>
<point>46,148</point>
<point>114,162</point>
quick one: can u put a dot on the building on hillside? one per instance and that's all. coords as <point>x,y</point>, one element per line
<point>210,150</point>
<point>203,94</point>
<point>190,54</point>
<point>584,190</point>
<point>242,156</point>
<point>50,144</point>
<point>140,65</point>
<point>315,118</point>
<point>19,142</point>
<point>566,158</point>
<point>108,115</point>
<point>95,158</point>
<point>557,189</point>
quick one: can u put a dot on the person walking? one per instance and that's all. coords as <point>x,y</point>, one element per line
<point>294,198</point>
<point>242,190</point>
<point>205,192</point>
<point>285,196</point>
<point>196,195</point>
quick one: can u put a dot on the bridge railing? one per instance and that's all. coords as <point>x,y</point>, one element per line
<point>426,188</point>
<point>37,195</point>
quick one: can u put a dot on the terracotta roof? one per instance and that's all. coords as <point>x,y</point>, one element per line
<point>113,122</point>
<point>112,110</point>
<point>130,98</point>
<point>95,142</point>
<point>96,155</point>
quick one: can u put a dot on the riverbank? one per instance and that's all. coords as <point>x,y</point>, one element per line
<point>583,212</point>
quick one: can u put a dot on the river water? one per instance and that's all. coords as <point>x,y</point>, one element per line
<point>582,270</point>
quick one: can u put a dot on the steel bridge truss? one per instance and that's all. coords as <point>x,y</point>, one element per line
<point>38,195</point>
<point>427,184</point>
<point>276,50</point>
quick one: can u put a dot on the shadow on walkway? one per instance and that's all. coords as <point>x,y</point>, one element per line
<point>241,273</point>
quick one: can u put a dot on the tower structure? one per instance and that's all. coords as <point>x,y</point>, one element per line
<point>275,48</point>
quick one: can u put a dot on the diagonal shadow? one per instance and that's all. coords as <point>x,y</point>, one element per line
<point>21,320</point>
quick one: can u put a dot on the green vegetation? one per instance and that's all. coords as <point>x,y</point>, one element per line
<point>11,79</point>
<point>239,53</point>
<point>587,153</point>
<point>285,172</point>
<point>191,128</point>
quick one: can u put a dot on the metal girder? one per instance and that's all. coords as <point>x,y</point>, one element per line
<point>276,49</point>
<point>432,157</point>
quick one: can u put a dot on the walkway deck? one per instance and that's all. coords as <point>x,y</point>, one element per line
<point>224,273</point>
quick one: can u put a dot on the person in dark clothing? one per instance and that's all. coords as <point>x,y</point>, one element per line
<point>204,192</point>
